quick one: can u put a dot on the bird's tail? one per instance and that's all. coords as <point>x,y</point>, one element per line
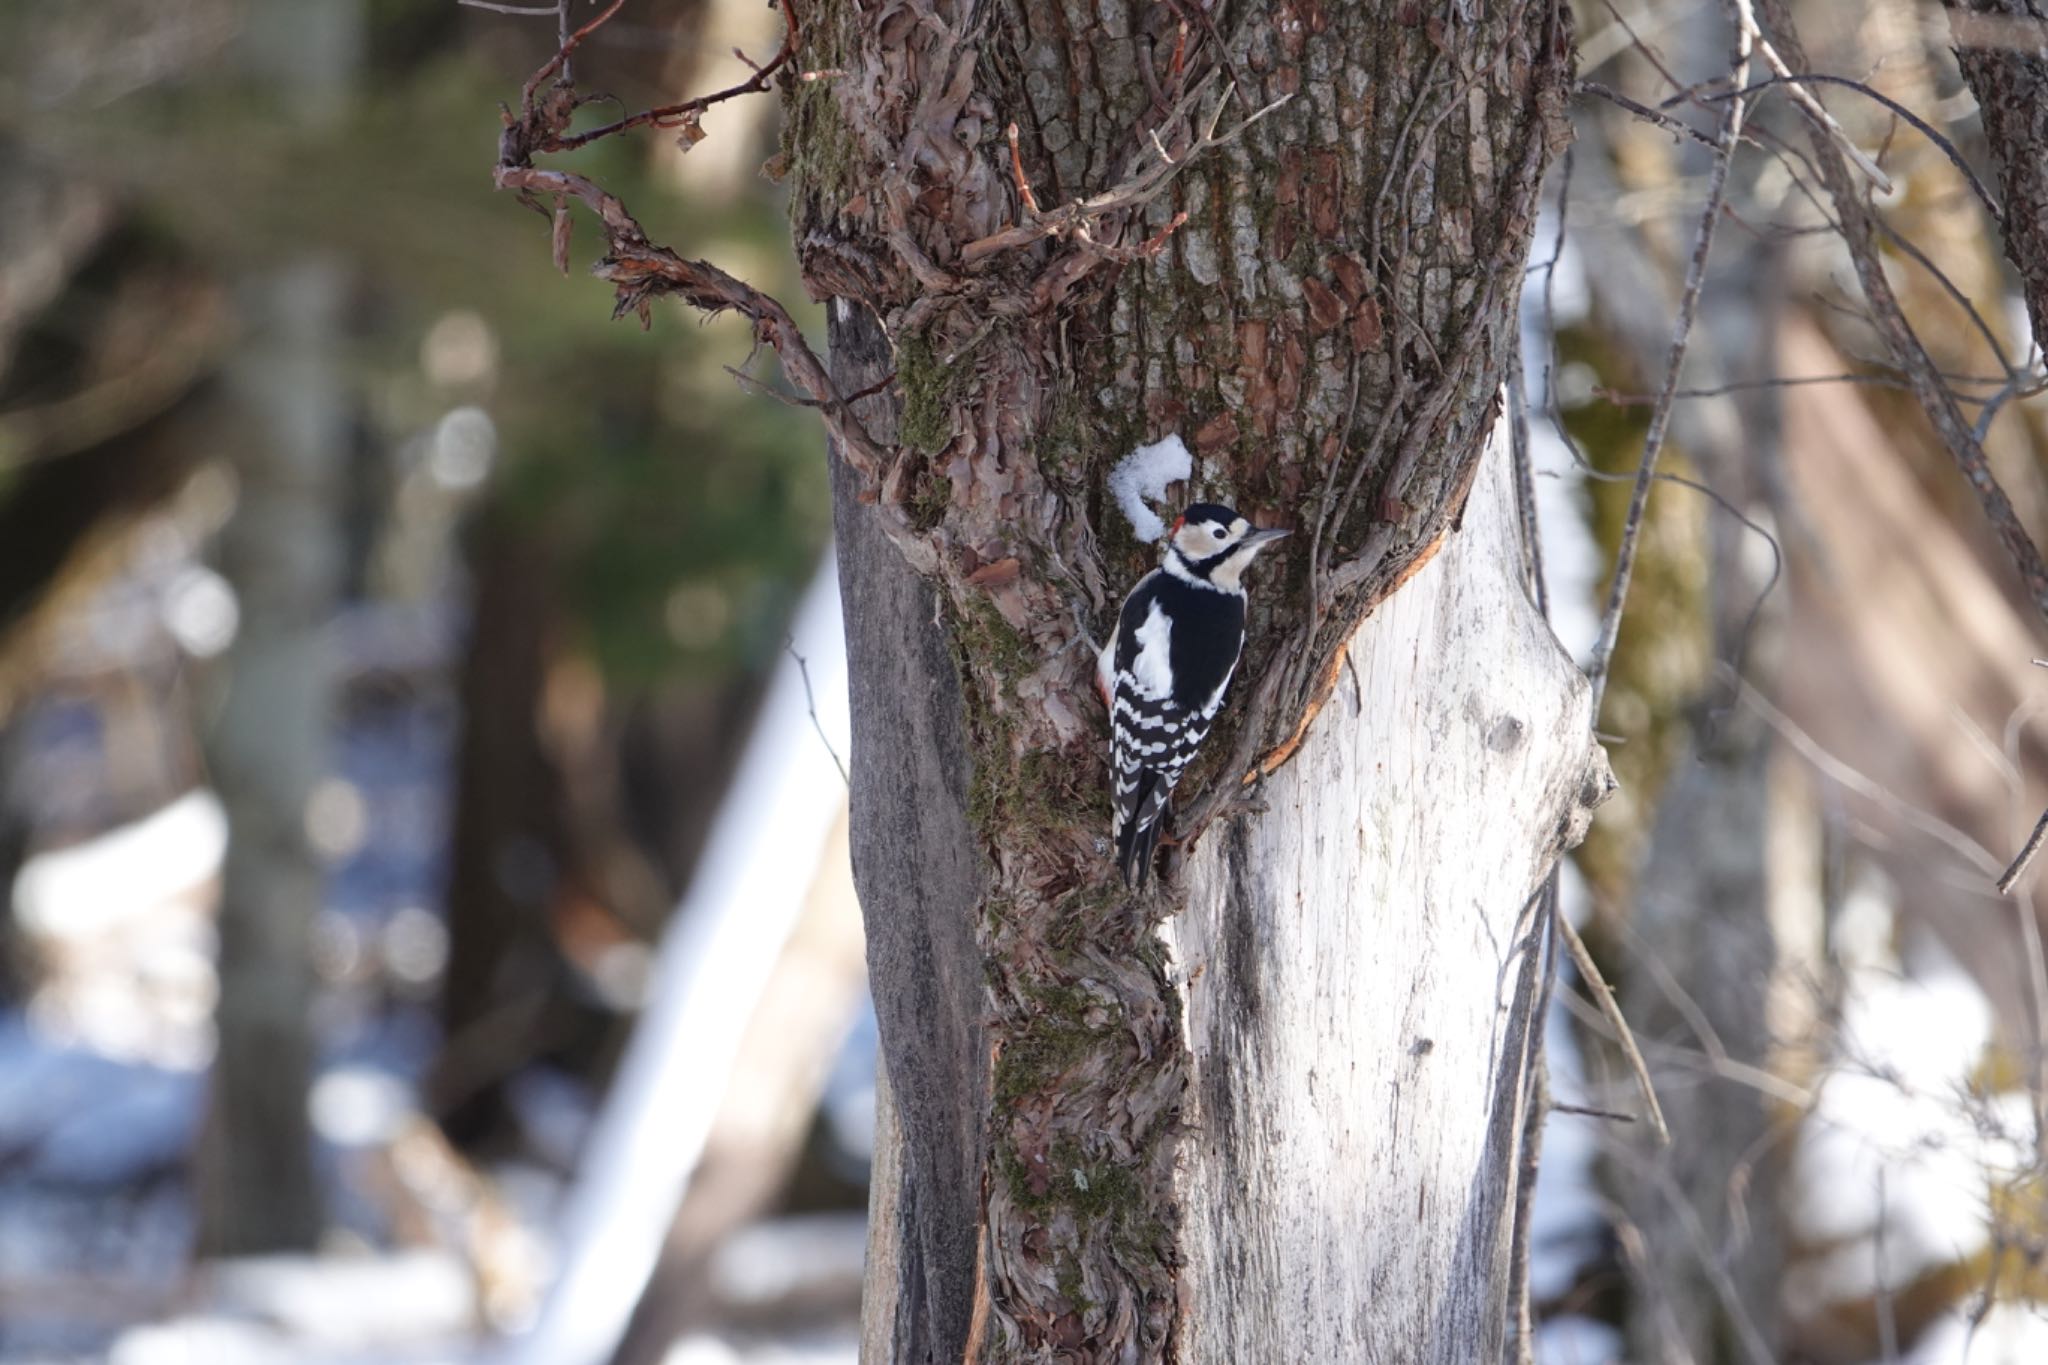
<point>1137,837</point>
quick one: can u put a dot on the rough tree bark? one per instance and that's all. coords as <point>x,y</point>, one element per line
<point>1294,236</point>
<point>1327,329</point>
<point>2002,46</point>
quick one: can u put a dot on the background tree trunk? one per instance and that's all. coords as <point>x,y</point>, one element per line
<point>283,553</point>
<point>265,750</point>
<point>1321,307</point>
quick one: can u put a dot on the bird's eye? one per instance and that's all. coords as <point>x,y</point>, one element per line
<point>1218,533</point>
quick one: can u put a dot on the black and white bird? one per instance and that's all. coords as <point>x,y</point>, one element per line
<point>1165,669</point>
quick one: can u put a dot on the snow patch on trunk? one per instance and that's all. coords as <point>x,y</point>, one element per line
<point>1142,476</point>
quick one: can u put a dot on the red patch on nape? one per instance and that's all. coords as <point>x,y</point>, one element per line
<point>1178,522</point>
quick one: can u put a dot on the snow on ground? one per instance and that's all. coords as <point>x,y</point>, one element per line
<point>407,1308</point>
<point>825,1348</point>
<point>784,1261</point>
<point>2011,1334</point>
<point>1572,1340</point>
<point>103,1075</point>
<point>123,875</point>
<point>1899,1133</point>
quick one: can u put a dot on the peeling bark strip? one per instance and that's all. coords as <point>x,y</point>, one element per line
<point>1295,235</point>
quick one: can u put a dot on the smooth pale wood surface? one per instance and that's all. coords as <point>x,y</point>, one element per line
<point>1359,967</point>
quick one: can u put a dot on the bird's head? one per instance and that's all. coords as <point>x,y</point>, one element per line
<point>1213,542</point>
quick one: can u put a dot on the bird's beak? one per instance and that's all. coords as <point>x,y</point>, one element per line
<point>1258,540</point>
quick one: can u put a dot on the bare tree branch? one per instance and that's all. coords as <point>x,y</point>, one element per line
<point>641,271</point>
<point>1907,353</point>
<point>1660,417</point>
<point>1622,1036</point>
<point>1745,14</point>
<point>684,115</point>
<point>1799,81</point>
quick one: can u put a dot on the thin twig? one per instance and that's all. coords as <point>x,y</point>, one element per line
<point>1218,47</point>
<point>1713,1263</point>
<point>561,58</point>
<point>1919,125</point>
<point>1851,779</point>
<point>1646,113</point>
<point>684,114</point>
<point>1624,1037</point>
<point>803,669</point>
<point>1537,1106</point>
<point>1660,417</point>
<point>1017,168</point>
<point>1882,381</point>
<point>641,271</point>
<point>1952,289</point>
<point>1907,352</point>
<point>1636,39</point>
<point>1588,1111</point>
<point>1755,1078</point>
<point>2019,865</point>
<point>1751,34</point>
<point>2014,388</point>
<point>2037,997</point>
<point>1588,470</point>
<point>1887,1314</point>
<point>521,11</point>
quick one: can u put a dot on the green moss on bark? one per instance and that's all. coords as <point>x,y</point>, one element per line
<point>928,389</point>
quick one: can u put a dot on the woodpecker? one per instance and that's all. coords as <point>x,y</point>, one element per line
<point>1164,671</point>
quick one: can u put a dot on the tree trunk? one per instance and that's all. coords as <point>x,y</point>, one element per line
<point>1320,304</point>
<point>507,851</point>
<point>265,750</point>
<point>283,553</point>
<point>915,866</point>
<point>2002,46</point>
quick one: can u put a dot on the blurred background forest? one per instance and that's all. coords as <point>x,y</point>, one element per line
<point>334,516</point>
<point>382,628</point>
